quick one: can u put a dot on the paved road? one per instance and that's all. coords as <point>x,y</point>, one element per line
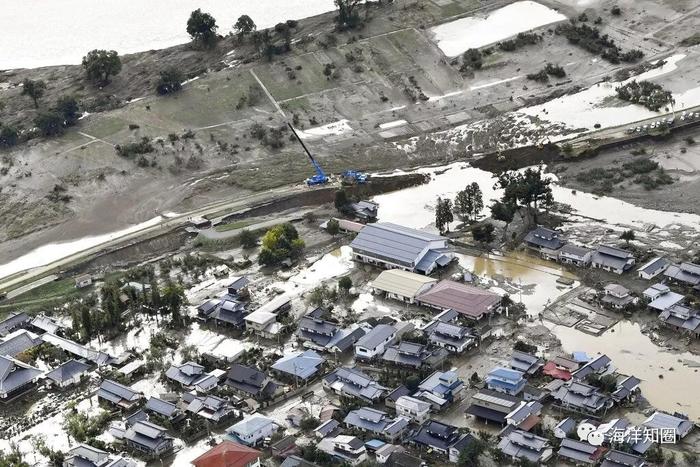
<point>26,288</point>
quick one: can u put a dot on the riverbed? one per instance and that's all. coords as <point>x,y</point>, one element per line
<point>48,32</point>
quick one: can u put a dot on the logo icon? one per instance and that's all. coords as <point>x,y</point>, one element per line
<point>587,432</point>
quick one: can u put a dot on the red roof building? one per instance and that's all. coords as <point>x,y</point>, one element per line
<point>470,301</point>
<point>556,372</point>
<point>229,454</point>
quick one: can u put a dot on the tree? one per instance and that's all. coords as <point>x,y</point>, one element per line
<point>8,136</point>
<point>505,212</point>
<point>348,17</point>
<point>85,322</point>
<point>471,59</point>
<point>483,233</point>
<point>627,236</point>
<point>49,123</point>
<point>247,239</point>
<point>345,284</point>
<point>469,456</point>
<point>528,189</point>
<point>244,26</point>
<point>443,214</point>
<point>34,89</point>
<point>341,200</point>
<point>101,64</point>
<point>173,299</point>
<point>279,243</point>
<point>333,227</point>
<point>170,81</point>
<point>67,107</point>
<point>202,28</point>
<point>469,202</point>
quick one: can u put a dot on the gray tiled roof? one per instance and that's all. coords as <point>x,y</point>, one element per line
<point>161,407</point>
<point>18,343</point>
<point>394,242</point>
<point>15,374</point>
<point>11,323</point>
<point>67,371</point>
<point>378,335</point>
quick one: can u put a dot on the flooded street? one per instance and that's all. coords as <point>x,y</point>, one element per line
<point>634,353</point>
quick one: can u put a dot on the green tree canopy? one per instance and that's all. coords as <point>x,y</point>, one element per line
<point>279,243</point>
<point>202,28</point>
<point>33,89</point>
<point>67,107</point>
<point>101,64</point>
<point>244,26</point>
<point>169,81</point>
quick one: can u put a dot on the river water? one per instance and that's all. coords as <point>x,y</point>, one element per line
<point>57,32</point>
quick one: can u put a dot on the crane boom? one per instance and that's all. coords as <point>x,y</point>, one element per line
<point>319,170</point>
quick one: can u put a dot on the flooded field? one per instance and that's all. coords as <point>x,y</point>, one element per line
<point>669,380</point>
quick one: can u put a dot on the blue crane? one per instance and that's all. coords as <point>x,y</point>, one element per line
<point>320,178</point>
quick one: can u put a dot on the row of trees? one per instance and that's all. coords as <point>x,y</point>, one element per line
<point>467,205</point>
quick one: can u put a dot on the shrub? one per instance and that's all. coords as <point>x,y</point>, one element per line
<point>8,136</point>
<point>49,123</point>
<point>170,81</point>
<point>129,150</point>
<point>651,95</point>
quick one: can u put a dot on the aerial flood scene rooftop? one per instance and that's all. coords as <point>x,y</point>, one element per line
<point>310,233</point>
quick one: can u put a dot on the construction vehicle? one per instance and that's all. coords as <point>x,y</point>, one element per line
<point>320,178</point>
<point>353,177</point>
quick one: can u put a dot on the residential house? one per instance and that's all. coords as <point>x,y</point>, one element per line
<point>442,438</point>
<point>84,455</point>
<point>493,407</point>
<point>211,407</point>
<point>344,449</point>
<point>250,382</point>
<point>565,427</point>
<point>525,416</point>
<point>17,342</point>
<point>122,396</point>
<point>451,337</point>
<point>615,458</point>
<point>67,374</point>
<point>163,408</point>
<point>82,281</point>
<point>401,285</point>
<point>583,398</point>
<point>653,268</point>
<point>376,423</point>
<point>627,388</point>
<point>525,363</point>
<point>520,444</point>
<point>13,322</point>
<point>364,211</point>
<point>284,447</point>
<point>237,285</point>
<point>413,355</point>
<point>148,438</point>
<point>399,458</point>
<point>469,301</point>
<point>661,298</point>
<point>382,453</point>
<point>682,318</point>
<point>579,452</point>
<point>575,255</point>
<point>680,425</point>
<point>97,357</point>
<point>296,461</point>
<point>263,324</point>
<point>546,242</point>
<point>600,365</point>
<point>350,382</point>
<point>229,454</point>
<point>186,374</point>
<point>684,273</point>
<point>229,310</point>
<point>414,409</point>
<point>327,428</point>
<point>326,336</point>
<point>617,297</point>
<point>43,323</point>
<point>393,396</point>
<point>505,380</point>
<point>392,246</point>
<point>252,430</point>
<point>16,378</point>
<point>612,259</point>
<point>374,343</point>
<point>441,389</point>
<point>299,367</point>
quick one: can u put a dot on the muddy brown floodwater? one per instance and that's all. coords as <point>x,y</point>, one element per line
<point>634,353</point>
